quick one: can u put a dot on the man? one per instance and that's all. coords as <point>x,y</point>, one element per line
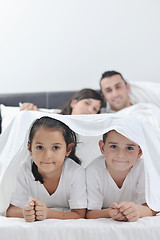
<point>115,91</point>
<point>141,101</point>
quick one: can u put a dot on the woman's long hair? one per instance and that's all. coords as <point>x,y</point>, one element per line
<point>85,93</point>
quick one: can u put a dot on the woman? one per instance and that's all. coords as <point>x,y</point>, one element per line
<point>85,101</point>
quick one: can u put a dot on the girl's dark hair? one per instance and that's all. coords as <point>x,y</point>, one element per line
<point>68,134</point>
<point>85,93</point>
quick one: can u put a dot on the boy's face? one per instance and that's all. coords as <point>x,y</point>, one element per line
<point>120,153</point>
<point>115,91</point>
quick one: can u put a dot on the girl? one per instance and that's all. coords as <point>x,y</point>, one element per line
<point>116,182</point>
<point>54,178</point>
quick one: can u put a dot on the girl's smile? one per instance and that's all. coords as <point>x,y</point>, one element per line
<point>48,150</point>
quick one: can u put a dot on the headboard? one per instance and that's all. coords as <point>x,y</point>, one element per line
<point>48,100</point>
<point>41,99</point>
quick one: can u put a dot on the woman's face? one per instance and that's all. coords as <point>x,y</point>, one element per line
<point>85,106</point>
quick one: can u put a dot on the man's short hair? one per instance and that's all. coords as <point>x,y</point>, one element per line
<point>110,74</point>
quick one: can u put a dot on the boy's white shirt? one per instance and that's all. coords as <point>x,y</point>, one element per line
<point>13,147</point>
<point>102,189</point>
<point>70,193</point>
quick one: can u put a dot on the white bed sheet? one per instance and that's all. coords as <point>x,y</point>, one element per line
<point>82,229</point>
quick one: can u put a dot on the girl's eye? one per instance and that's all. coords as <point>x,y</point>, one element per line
<point>113,146</point>
<point>55,148</point>
<point>130,148</point>
<point>39,147</point>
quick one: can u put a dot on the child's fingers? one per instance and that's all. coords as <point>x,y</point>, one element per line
<point>30,218</point>
<point>39,214</point>
<point>131,214</point>
<point>29,212</point>
<point>124,206</point>
<point>39,203</point>
<point>114,205</point>
<point>121,218</point>
<point>29,207</point>
<point>29,215</point>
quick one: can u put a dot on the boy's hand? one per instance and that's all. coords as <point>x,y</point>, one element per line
<point>29,212</point>
<point>115,214</point>
<point>40,210</point>
<point>130,210</point>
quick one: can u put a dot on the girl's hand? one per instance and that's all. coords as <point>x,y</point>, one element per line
<point>130,210</point>
<point>29,212</point>
<point>115,214</point>
<point>40,210</point>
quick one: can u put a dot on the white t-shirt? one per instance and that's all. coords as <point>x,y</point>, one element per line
<point>102,189</point>
<point>70,193</point>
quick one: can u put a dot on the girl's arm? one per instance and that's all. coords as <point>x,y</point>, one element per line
<point>13,211</point>
<point>73,214</point>
<point>42,212</point>
<point>28,213</point>
<point>103,213</point>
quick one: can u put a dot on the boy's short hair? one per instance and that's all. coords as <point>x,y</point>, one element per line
<point>105,136</point>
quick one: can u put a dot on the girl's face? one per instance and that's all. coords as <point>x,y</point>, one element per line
<point>48,150</point>
<point>85,106</point>
<point>120,153</point>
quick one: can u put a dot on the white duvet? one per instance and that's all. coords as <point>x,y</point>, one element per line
<point>89,129</point>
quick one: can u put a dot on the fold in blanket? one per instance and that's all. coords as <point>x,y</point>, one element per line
<point>89,129</point>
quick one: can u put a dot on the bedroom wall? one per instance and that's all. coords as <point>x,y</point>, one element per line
<point>67,45</point>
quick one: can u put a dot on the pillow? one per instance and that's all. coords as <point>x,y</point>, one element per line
<point>8,113</point>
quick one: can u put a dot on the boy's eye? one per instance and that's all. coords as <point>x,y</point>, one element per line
<point>39,147</point>
<point>113,146</point>
<point>129,148</point>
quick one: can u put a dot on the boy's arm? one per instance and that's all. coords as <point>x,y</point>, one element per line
<point>133,211</point>
<point>111,212</point>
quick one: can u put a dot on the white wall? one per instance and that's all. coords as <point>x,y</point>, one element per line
<point>52,45</point>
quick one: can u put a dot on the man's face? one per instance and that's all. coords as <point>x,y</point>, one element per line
<point>115,91</point>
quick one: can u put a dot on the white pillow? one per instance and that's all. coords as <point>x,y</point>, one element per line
<point>8,113</point>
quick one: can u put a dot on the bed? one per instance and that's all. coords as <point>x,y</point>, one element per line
<point>83,229</point>
<point>14,228</point>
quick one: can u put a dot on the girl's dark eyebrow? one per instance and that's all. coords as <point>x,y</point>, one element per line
<point>52,143</point>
